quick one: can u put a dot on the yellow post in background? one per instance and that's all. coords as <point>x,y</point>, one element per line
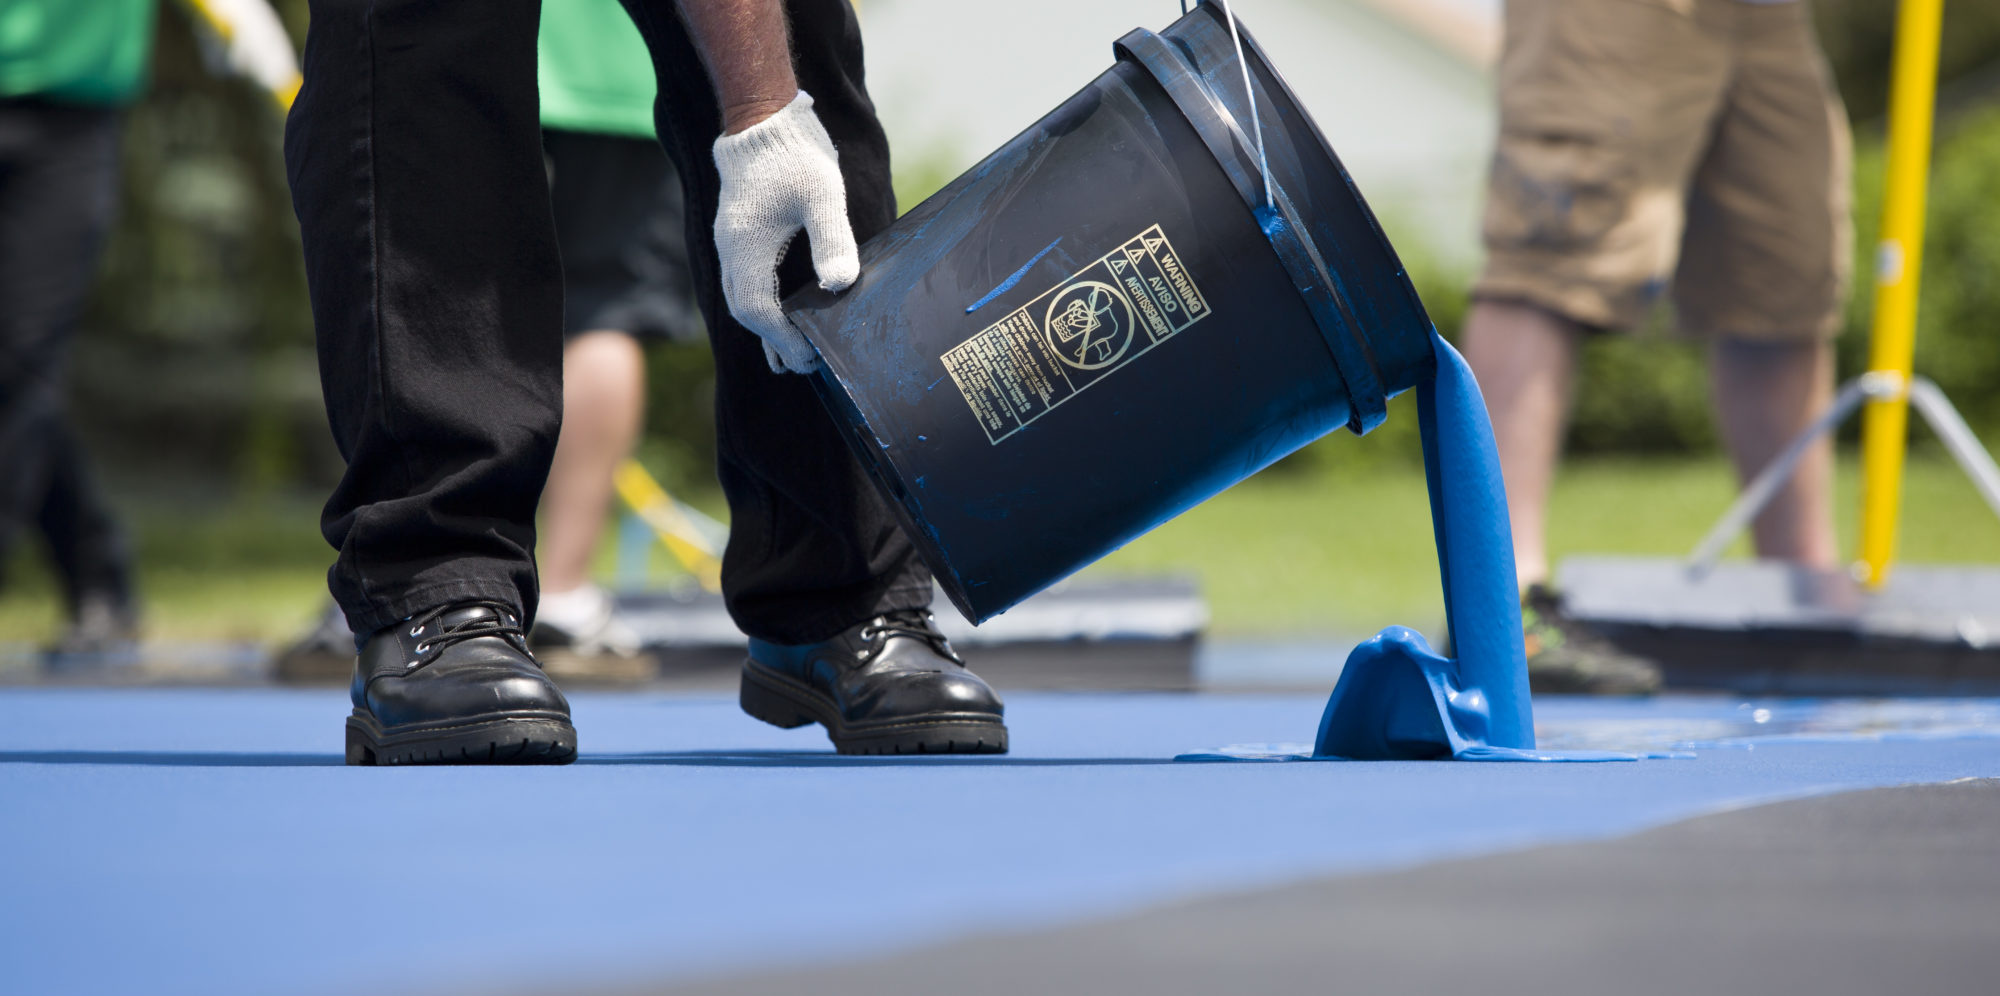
<point>1898,263</point>
<point>272,64</point>
<point>657,509</point>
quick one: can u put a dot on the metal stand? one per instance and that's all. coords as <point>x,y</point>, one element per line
<point>1930,402</point>
<point>1766,627</point>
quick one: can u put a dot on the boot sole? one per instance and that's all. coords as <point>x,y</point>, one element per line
<point>505,738</point>
<point>786,702</point>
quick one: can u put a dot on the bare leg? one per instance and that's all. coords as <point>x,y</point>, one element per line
<point>604,392</point>
<point>1525,359</point>
<point>1766,394</point>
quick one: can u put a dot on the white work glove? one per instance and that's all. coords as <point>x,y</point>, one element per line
<point>778,176</point>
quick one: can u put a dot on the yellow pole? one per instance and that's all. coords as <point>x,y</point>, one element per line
<point>1898,261</point>
<point>282,93</point>
<point>656,508</point>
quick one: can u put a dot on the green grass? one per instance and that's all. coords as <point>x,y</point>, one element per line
<point>243,570</point>
<point>1320,550</point>
<point>1321,553</point>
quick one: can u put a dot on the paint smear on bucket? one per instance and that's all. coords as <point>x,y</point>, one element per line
<point>1008,284</point>
<point>1397,699</point>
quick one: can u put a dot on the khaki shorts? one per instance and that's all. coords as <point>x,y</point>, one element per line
<point>1648,143</point>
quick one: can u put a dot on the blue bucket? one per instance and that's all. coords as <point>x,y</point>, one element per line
<point>1110,320</point>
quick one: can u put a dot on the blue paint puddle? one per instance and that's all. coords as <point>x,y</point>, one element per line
<point>1304,752</point>
<point>1008,284</point>
<point>1571,727</point>
<point>1399,700</point>
<point>1701,723</point>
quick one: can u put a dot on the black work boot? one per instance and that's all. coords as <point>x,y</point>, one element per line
<point>1567,657</point>
<point>456,685</point>
<point>891,685</point>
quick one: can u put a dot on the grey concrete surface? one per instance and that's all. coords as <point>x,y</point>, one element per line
<point>1891,891</point>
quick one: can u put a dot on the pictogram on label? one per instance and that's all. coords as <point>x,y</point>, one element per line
<point>1076,333</point>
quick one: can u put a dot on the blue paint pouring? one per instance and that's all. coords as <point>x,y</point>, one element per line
<point>1397,699</point>
<point>1016,449</point>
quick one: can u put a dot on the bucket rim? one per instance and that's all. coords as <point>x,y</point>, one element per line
<point>1174,69</point>
<point>1284,88</point>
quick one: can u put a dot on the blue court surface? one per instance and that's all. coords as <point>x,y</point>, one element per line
<point>210,840</point>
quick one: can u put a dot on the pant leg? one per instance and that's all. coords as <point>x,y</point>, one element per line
<point>58,199</point>
<point>90,550</point>
<point>414,153</point>
<point>812,547</point>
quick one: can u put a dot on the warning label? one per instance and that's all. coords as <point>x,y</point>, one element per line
<point>1131,299</point>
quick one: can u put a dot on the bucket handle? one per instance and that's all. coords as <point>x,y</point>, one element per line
<point>1256,122</point>
<point>1250,92</point>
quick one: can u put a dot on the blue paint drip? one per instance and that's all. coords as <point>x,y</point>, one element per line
<point>1008,284</point>
<point>1269,221</point>
<point>1398,699</point>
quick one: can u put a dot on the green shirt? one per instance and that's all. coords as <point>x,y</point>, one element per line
<point>596,73</point>
<point>81,51</point>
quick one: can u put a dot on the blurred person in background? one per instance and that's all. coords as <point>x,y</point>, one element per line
<point>621,234</point>
<point>1691,145</point>
<point>68,71</point>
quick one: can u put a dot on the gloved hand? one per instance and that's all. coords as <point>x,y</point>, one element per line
<point>778,176</point>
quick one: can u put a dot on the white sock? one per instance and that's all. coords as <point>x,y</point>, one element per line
<point>580,610</point>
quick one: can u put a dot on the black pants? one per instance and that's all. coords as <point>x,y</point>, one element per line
<point>58,198</point>
<point>414,153</point>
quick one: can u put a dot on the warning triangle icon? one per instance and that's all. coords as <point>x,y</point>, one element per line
<point>1135,255</point>
<point>1117,266</point>
<point>1152,244</point>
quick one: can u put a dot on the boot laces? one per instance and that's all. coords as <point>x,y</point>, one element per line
<point>439,636</point>
<point>915,624</point>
